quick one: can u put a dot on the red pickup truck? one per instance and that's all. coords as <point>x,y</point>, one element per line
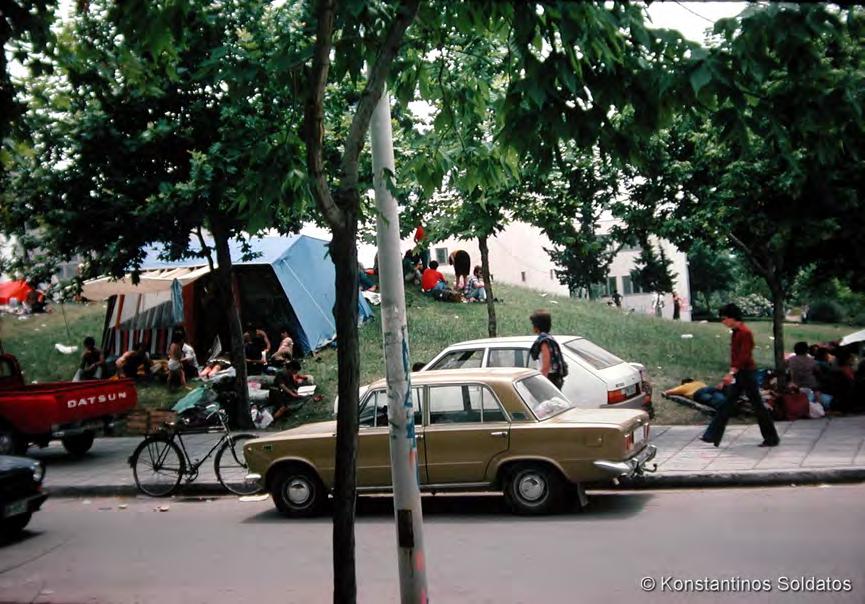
<point>70,411</point>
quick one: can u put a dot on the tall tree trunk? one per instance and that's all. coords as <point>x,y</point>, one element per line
<point>343,250</point>
<point>492,324</point>
<point>778,298</point>
<point>229,296</point>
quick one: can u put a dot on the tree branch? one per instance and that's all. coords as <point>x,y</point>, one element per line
<point>314,113</point>
<point>763,270</point>
<point>373,90</point>
<point>205,249</point>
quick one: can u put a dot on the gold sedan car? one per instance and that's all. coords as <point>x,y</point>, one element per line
<point>491,429</point>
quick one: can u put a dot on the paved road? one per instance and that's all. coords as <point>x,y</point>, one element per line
<point>225,550</point>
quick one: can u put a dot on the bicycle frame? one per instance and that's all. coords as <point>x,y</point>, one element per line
<point>192,467</point>
<point>176,435</point>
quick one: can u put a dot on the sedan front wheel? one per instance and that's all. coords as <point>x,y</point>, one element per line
<point>533,488</point>
<point>297,491</point>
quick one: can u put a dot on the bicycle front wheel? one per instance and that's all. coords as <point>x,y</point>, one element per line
<point>231,468</point>
<point>157,466</point>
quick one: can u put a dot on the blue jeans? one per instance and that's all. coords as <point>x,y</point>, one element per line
<point>478,293</point>
<point>746,381</point>
<point>710,396</point>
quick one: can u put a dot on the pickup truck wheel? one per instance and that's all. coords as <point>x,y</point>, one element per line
<point>78,444</point>
<point>11,443</point>
<point>297,492</point>
<point>533,488</point>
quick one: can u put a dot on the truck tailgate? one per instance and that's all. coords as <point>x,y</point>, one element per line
<point>35,409</point>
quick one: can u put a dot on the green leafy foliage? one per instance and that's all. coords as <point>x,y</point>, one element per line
<point>770,160</point>
<point>566,203</point>
<point>710,271</point>
<point>825,311</point>
<point>25,27</point>
<point>140,141</point>
<point>652,270</point>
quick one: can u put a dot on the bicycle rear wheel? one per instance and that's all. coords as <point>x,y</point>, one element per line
<point>157,466</point>
<point>231,468</point>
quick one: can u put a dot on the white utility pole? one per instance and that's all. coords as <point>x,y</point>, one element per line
<point>403,442</point>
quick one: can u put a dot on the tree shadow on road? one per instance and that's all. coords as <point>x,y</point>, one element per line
<point>478,508</point>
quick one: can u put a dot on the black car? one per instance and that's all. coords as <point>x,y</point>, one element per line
<point>20,493</point>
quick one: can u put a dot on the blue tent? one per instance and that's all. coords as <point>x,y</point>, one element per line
<point>283,281</point>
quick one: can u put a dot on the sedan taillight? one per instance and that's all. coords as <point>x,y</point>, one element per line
<point>616,396</point>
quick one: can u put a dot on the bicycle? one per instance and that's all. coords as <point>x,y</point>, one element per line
<point>159,464</point>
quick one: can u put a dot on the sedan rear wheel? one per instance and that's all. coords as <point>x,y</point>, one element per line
<point>297,492</point>
<point>534,488</point>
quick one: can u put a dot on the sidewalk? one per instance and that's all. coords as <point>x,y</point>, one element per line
<point>811,451</point>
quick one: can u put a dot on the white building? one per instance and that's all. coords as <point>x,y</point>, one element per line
<point>517,257</point>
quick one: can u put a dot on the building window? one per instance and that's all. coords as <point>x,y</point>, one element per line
<point>523,276</point>
<point>553,274</point>
<point>627,285</point>
<point>442,255</point>
<point>611,286</point>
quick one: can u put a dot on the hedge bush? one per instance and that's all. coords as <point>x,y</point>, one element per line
<point>825,311</point>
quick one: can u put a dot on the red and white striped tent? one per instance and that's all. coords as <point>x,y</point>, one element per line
<point>146,311</point>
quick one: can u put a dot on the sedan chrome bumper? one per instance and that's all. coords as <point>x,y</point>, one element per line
<point>635,466</point>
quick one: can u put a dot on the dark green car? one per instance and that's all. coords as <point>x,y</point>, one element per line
<point>20,493</point>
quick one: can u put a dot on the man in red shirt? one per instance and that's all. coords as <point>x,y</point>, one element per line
<point>741,378</point>
<point>432,280</point>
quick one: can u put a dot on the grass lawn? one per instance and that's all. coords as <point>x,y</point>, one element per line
<point>657,343</point>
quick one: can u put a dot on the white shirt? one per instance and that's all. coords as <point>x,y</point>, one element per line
<point>188,354</point>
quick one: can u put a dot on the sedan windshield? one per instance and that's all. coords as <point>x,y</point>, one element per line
<point>544,399</point>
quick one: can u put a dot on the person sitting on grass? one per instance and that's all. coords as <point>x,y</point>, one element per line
<point>476,291</point>
<point>92,362</point>
<point>131,361</point>
<point>366,284</point>
<point>189,361</point>
<point>253,351</point>
<point>176,375</point>
<point>285,351</point>
<point>284,394</point>
<point>411,265</point>
<point>432,280</point>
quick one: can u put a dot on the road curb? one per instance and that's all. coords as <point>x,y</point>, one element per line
<point>127,490</point>
<point>743,478</point>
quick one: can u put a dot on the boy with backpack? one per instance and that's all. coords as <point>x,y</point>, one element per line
<point>545,348</point>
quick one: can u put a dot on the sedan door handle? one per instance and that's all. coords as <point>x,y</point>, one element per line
<point>502,434</point>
